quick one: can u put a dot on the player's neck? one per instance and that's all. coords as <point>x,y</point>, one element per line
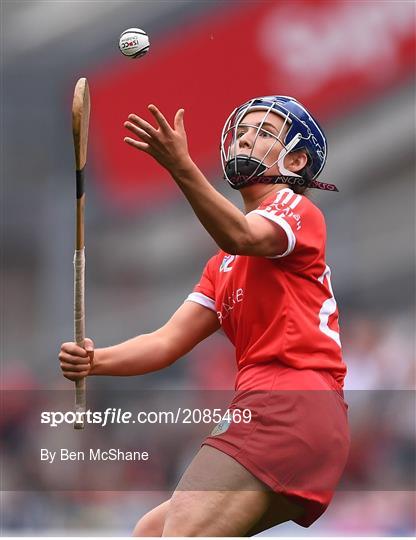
<point>254,195</point>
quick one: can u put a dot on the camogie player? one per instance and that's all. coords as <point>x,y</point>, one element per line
<point>269,289</point>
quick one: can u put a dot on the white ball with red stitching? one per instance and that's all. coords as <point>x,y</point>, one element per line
<point>134,42</point>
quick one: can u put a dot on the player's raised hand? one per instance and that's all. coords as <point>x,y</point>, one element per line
<point>167,144</point>
<point>75,361</point>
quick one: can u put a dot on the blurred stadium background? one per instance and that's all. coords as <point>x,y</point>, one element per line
<point>352,63</point>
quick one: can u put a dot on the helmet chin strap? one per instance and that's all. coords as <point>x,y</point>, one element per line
<point>243,171</point>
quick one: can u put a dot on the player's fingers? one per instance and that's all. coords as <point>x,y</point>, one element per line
<point>137,144</point>
<point>73,348</point>
<point>89,345</point>
<point>74,360</point>
<point>178,122</point>
<point>138,131</point>
<point>143,124</point>
<point>74,368</point>
<point>163,123</point>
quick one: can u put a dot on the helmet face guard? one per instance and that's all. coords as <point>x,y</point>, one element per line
<point>303,133</point>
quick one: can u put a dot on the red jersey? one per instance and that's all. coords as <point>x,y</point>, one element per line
<point>278,309</point>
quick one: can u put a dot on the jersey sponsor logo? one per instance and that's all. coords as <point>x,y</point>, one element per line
<point>228,305</point>
<point>226,262</point>
<point>284,212</point>
<point>296,217</point>
<point>288,213</point>
<point>284,206</point>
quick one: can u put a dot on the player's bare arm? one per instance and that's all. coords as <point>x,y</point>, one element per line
<point>233,232</point>
<point>189,325</point>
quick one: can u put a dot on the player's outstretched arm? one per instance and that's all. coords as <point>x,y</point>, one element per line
<point>231,230</point>
<point>189,325</point>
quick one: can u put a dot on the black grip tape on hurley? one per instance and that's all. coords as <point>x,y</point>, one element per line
<point>80,183</point>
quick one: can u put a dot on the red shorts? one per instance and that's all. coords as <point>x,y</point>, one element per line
<point>297,441</point>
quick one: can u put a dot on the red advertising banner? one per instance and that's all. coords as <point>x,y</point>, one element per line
<point>332,56</point>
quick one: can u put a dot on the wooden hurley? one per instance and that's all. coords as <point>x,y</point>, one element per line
<point>80,123</point>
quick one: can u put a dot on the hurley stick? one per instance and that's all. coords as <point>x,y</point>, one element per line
<point>80,122</point>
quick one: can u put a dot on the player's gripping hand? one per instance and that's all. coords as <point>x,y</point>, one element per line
<point>76,362</point>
